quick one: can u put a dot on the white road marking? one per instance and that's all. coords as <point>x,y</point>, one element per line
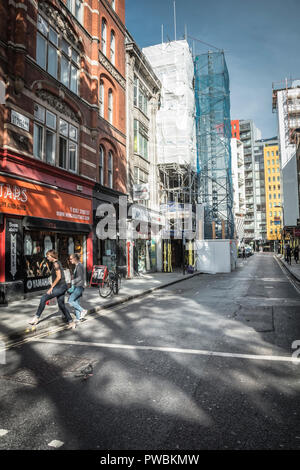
<point>56,444</point>
<point>198,352</point>
<point>3,432</point>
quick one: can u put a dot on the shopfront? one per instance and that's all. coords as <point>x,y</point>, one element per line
<point>38,218</point>
<point>110,252</point>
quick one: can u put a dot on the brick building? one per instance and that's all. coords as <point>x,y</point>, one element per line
<point>62,132</point>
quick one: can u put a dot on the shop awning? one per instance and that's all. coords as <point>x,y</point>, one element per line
<point>36,223</point>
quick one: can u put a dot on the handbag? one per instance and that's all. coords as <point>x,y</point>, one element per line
<point>71,289</point>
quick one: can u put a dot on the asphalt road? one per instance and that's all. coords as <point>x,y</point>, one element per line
<point>204,364</point>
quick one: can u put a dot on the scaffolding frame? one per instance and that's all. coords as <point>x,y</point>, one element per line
<point>213,136</point>
<point>178,183</point>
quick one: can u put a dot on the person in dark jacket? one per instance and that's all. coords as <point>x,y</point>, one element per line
<point>289,254</point>
<point>57,289</point>
<point>77,287</point>
<point>296,254</point>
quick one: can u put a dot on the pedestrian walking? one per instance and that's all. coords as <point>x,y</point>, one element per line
<point>57,289</point>
<point>289,254</point>
<point>244,252</point>
<point>77,287</point>
<point>296,254</point>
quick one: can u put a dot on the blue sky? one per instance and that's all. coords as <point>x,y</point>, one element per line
<point>261,40</point>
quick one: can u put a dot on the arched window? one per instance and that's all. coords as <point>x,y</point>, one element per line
<point>101,98</point>
<point>112,47</point>
<point>101,165</point>
<point>110,169</point>
<point>103,36</point>
<point>110,106</point>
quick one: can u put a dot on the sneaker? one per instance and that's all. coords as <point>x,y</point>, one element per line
<point>83,314</point>
<point>71,325</point>
<point>34,321</point>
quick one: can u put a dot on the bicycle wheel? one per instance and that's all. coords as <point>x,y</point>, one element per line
<point>105,288</point>
<point>116,284</point>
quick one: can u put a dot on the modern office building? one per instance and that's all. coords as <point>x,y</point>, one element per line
<point>273,191</point>
<point>238,185</point>
<point>249,133</point>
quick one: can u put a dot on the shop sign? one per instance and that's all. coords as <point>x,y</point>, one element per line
<point>29,199</point>
<point>19,120</point>
<point>140,213</point>
<point>141,192</point>
<point>13,250</point>
<point>297,232</point>
<point>32,285</point>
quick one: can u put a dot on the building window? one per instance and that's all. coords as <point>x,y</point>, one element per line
<point>64,66</point>
<point>269,179</point>
<point>112,47</point>
<point>76,8</point>
<point>47,131</point>
<point>110,169</point>
<point>140,139</point>
<point>103,36</point>
<point>68,136</point>
<point>101,165</point>
<point>113,4</point>
<point>270,213</point>
<point>69,66</point>
<point>140,96</point>
<point>268,162</point>
<point>101,98</point>
<point>140,176</point>
<point>110,106</point>
<point>47,47</point>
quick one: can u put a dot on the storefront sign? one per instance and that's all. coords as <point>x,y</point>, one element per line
<point>29,199</point>
<point>32,285</point>
<point>13,249</point>
<point>19,120</point>
<point>141,192</point>
<point>98,274</point>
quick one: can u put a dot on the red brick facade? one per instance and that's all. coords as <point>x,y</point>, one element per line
<point>27,83</point>
<point>52,59</point>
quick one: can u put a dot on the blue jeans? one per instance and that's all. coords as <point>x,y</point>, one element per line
<point>74,301</point>
<point>59,293</point>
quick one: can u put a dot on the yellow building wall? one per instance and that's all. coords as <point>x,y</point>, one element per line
<point>273,191</point>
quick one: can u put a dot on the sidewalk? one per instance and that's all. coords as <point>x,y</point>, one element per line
<point>14,318</point>
<point>294,268</point>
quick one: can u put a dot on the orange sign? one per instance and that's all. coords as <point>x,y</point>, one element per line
<point>29,199</point>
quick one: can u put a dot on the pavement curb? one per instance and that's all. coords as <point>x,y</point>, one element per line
<point>284,264</point>
<point>30,332</point>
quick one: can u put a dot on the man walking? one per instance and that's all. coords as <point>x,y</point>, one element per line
<point>289,255</point>
<point>296,254</point>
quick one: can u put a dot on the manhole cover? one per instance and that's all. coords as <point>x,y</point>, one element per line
<point>49,370</point>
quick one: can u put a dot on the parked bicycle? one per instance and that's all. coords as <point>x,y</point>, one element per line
<point>110,284</point>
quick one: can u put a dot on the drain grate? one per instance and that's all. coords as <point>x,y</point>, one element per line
<point>47,371</point>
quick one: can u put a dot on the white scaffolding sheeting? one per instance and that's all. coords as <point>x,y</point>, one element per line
<point>176,137</point>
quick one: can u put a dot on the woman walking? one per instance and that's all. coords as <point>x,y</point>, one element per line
<point>57,289</point>
<point>77,287</point>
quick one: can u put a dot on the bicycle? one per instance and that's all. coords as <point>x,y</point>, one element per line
<point>111,283</point>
